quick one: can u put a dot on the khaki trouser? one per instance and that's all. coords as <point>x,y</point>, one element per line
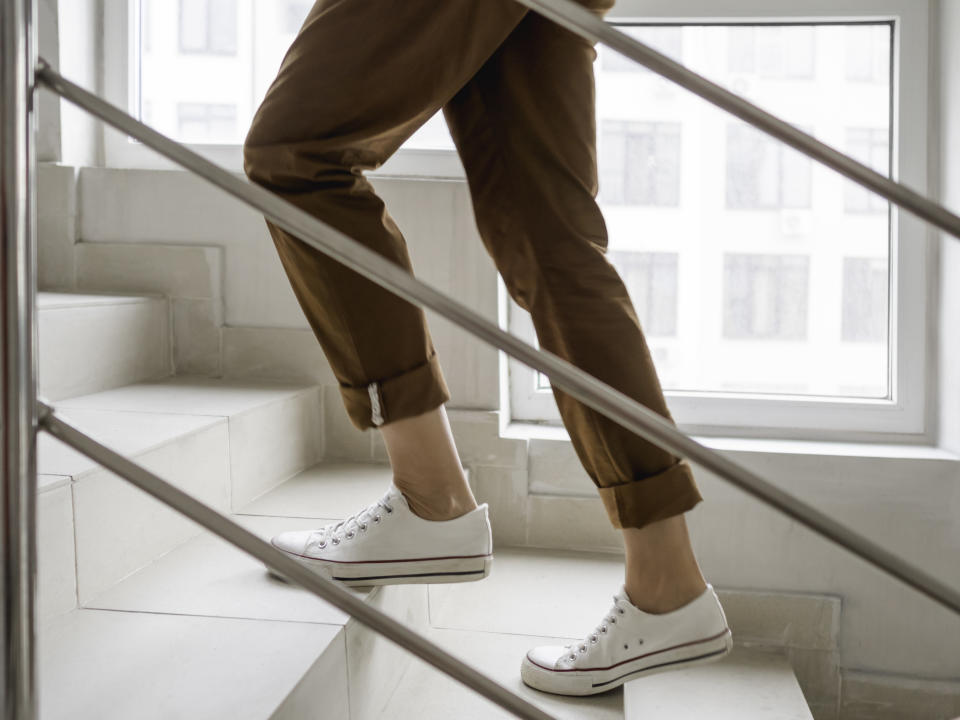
<point>517,92</point>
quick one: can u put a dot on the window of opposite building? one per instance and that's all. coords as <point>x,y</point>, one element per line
<point>208,26</point>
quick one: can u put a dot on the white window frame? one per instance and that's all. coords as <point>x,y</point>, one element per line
<point>121,25</point>
<point>906,417</point>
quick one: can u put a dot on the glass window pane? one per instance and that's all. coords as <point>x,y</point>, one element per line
<point>870,146</point>
<point>613,158</point>
<point>765,297</point>
<point>193,25</point>
<point>758,231</point>
<point>741,49</point>
<point>667,40</point>
<point>222,23</point>
<point>292,15</point>
<point>864,300</point>
<point>651,279</point>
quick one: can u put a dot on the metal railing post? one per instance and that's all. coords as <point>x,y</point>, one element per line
<point>18,392</point>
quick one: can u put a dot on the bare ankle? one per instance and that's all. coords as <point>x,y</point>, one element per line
<point>660,598</point>
<point>437,500</point>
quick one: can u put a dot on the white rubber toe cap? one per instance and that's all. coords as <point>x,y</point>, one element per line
<point>294,542</point>
<point>547,656</point>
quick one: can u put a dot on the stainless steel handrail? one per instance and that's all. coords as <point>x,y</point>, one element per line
<point>18,492</point>
<point>583,386</point>
<point>581,21</point>
<point>329,590</point>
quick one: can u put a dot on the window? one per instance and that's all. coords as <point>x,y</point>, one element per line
<point>687,198</point>
<point>641,163</point>
<point>864,300</point>
<point>651,279</point>
<point>867,56</point>
<point>870,146</point>
<point>226,52</point>
<point>765,296</point>
<point>201,122</point>
<point>208,26</point>
<point>764,174</point>
<point>293,13</point>
<point>784,52</point>
<point>762,320</point>
<point>667,40</point>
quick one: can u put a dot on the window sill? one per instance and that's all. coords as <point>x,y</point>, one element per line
<point>767,446</point>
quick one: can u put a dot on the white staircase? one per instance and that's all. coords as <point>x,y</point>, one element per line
<point>144,616</point>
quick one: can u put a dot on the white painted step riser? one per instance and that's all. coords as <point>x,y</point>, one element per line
<point>56,557</point>
<point>376,665</point>
<point>88,348</point>
<point>119,529</point>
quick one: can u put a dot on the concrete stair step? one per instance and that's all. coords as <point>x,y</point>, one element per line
<point>749,684</point>
<point>97,664</point>
<point>224,442</point>
<point>201,622</point>
<point>92,342</point>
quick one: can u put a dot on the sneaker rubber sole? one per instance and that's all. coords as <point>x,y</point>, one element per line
<point>405,572</point>
<point>593,681</point>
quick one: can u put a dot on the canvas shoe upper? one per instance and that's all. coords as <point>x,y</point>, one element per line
<point>388,543</point>
<point>629,643</point>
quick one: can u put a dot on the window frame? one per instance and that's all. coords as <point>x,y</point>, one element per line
<point>908,415</point>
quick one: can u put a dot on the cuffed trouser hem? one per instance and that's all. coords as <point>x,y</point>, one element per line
<point>642,502</point>
<point>411,393</point>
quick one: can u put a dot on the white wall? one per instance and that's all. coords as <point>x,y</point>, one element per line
<point>950,248</point>
<point>70,40</point>
<point>48,107</point>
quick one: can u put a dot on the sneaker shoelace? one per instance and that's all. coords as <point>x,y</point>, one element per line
<point>583,647</point>
<point>349,527</point>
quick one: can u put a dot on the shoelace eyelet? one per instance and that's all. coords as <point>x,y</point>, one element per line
<point>335,541</point>
<point>620,610</point>
<point>388,509</point>
<point>351,535</point>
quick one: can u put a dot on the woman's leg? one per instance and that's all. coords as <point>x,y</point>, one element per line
<point>525,129</point>
<point>359,79</point>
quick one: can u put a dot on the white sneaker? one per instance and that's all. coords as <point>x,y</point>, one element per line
<point>630,643</point>
<point>386,543</point>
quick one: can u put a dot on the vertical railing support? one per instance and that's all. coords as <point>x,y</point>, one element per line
<point>18,391</point>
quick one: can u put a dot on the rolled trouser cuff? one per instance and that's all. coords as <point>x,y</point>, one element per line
<point>641,502</point>
<point>411,393</point>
